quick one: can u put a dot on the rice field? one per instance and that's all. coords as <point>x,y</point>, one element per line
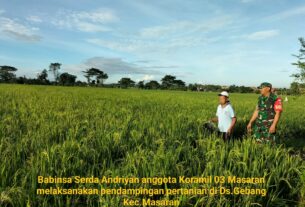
<point>75,131</point>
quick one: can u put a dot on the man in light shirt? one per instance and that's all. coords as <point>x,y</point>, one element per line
<point>225,116</point>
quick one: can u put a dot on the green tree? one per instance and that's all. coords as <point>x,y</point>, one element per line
<point>87,75</point>
<point>7,73</point>
<point>213,88</point>
<point>43,76</point>
<point>192,87</point>
<point>54,68</point>
<point>170,82</point>
<point>126,82</point>
<point>300,64</point>
<point>141,84</point>
<point>167,81</point>
<point>96,73</point>
<point>101,77</point>
<point>152,85</point>
<point>177,84</point>
<point>233,89</point>
<point>245,89</point>
<point>294,88</point>
<point>67,79</point>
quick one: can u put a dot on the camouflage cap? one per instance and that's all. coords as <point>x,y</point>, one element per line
<point>265,84</point>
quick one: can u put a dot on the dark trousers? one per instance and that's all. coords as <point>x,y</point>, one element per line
<point>225,136</point>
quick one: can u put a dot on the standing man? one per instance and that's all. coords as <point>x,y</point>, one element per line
<point>225,116</point>
<point>266,115</point>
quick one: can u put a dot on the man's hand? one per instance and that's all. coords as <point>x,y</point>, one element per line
<point>249,127</point>
<point>253,118</point>
<point>272,129</point>
<point>214,119</point>
<point>229,131</point>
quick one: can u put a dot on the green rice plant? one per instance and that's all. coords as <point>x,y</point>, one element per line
<point>70,131</point>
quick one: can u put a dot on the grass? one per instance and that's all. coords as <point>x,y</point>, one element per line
<point>66,131</point>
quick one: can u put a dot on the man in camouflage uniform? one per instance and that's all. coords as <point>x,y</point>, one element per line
<point>266,115</point>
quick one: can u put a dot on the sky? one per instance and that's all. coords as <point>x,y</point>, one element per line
<point>241,42</point>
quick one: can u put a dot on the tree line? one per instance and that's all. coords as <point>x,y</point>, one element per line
<point>94,77</point>
<point>97,77</point>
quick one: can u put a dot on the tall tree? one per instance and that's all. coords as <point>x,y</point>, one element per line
<point>152,84</point>
<point>54,68</point>
<point>170,82</point>
<point>179,83</point>
<point>140,84</point>
<point>99,75</point>
<point>300,76</point>
<point>43,75</point>
<point>87,75</point>
<point>7,73</point>
<point>126,82</point>
<point>167,81</point>
<point>295,88</point>
<point>67,79</point>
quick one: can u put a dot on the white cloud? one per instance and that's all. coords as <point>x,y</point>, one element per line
<point>35,29</point>
<point>260,35</point>
<point>148,77</point>
<point>126,45</point>
<point>34,19</point>
<point>94,21</point>
<point>160,31</point>
<point>288,13</point>
<point>16,30</point>
<point>135,44</point>
<point>98,16</point>
<point>166,38</point>
<point>185,28</point>
<point>161,67</point>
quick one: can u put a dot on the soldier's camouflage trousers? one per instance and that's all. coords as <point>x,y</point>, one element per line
<point>261,132</point>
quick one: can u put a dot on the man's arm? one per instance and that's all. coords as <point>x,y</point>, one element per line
<point>277,116</point>
<point>253,118</point>
<point>278,110</point>
<point>232,125</point>
<point>215,119</point>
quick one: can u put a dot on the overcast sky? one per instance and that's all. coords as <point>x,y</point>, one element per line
<point>242,42</point>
